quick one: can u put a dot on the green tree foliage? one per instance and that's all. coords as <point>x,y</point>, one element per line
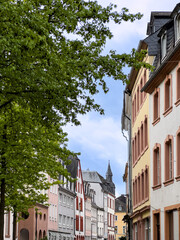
<point>46,79</point>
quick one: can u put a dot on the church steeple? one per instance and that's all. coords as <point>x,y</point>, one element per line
<point>109,173</point>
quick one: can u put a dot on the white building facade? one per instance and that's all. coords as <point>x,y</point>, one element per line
<point>164,89</point>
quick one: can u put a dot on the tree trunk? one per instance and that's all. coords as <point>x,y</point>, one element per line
<point>2,206</point>
<point>14,224</point>
<point>3,183</point>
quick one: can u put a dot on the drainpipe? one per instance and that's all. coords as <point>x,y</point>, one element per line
<point>129,166</point>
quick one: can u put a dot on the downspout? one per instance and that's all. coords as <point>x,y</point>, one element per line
<point>129,166</point>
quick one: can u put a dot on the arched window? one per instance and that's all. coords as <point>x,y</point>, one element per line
<point>40,234</point>
<point>24,234</point>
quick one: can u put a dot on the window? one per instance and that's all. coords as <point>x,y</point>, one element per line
<point>177,27</point>
<point>139,185</point>
<point>77,223</point>
<point>81,224</point>
<point>142,186</point>
<point>178,152</point>
<point>142,138</point>
<point>77,203</point>
<point>115,218</point>
<point>124,229</point>
<point>141,94</point>
<point>145,132</point>
<point>136,231</point>
<point>133,151</point>
<point>7,224</point>
<point>147,229</point>
<point>169,159</point>
<point>135,106</point>
<point>157,166</point>
<point>60,219</point>
<point>178,85</point>
<point>146,183</point>
<point>163,45</point>
<point>156,106</point>
<point>145,80</point>
<point>138,99</point>
<point>167,95</point>
<point>156,225</point>
<point>138,143</point>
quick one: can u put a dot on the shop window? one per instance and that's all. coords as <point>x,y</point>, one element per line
<point>157,165</point>
<point>168,159</point>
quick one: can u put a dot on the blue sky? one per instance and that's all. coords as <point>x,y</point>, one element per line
<point>99,138</point>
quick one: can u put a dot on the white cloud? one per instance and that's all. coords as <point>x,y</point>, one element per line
<point>102,136</point>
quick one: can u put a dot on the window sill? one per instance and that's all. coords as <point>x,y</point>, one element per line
<point>168,182</point>
<point>155,187</point>
<point>156,121</point>
<point>177,178</point>
<point>167,111</point>
<point>7,236</point>
<point>177,103</point>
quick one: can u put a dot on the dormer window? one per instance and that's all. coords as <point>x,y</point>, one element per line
<point>163,45</point>
<point>178,27</point>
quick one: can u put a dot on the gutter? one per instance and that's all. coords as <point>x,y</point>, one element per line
<point>164,63</point>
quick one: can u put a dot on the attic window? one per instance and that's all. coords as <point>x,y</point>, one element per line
<point>163,45</point>
<point>120,208</point>
<point>178,27</point>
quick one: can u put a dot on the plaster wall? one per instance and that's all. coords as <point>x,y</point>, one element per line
<point>166,195</point>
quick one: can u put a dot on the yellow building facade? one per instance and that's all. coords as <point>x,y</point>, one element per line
<point>140,151</point>
<point>120,226</point>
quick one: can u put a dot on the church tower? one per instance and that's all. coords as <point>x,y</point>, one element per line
<point>109,179</point>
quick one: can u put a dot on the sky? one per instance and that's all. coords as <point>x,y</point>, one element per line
<point>99,138</point>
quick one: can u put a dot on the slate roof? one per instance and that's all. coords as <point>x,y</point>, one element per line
<point>73,166</point>
<point>120,202</point>
<point>95,177</point>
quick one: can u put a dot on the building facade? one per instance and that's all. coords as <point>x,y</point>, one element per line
<point>163,88</point>
<point>120,212</point>
<point>103,204</point>
<point>79,205</point>
<point>66,204</point>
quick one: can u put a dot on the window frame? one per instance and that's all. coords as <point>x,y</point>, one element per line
<point>156,183</point>
<point>167,95</point>
<point>163,45</point>
<point>168,179</point>
<point>156,106</point>
<point>177,103</point>
<point>178,155</point>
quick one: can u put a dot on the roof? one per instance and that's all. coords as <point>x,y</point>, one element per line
<point>73,166</point>
<point>120,204</point>
<point>95,177</point>
<point>91,176</point>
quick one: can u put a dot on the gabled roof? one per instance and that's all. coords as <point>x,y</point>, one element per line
<point>120,204</point>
